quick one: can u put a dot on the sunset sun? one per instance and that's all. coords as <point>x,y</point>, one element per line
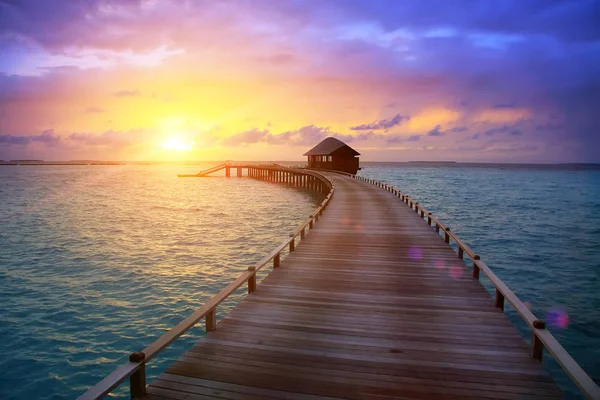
<point>175,143</point>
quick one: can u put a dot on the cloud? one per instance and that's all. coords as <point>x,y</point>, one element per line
<point>127,93</point>
<point>47,137</point>
<point>382,124</point>
<point>550,126</point>
<point>515,132</point>
<point>304,136</point>
<point>459,129</point>
<point>109,138</point>
<point>504,105</point>
<point>436,131</point>
<point>14,140</point>
<point>503,129</point>
<point>94,110</point>
<point>392,139</point>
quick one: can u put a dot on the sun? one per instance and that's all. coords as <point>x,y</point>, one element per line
<point>177,144</point>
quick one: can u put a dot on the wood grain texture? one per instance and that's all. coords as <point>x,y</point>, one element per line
<point>371,305</point>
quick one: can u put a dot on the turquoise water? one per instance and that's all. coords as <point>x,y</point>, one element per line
<point>539,231</point>
<point>97,262</point>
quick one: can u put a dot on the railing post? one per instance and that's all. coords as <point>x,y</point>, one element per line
<point>416,208</point>
<point>429,218</point>
<point>446,235</point>
<point>437,227</point>
<point>475,267</point>
<point>499,300</point>
<point>310,222</point>
<point>302,234</point>
<point>537,347</point>
<point>211,321</point>
<point>460,252</point>
<point>252,281</point>
<point>276,260</point>
<point>137,381</point>
<point>292,243</point>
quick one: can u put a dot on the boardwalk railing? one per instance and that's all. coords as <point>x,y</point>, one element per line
<point>135,368</point>
<point>540,337</point>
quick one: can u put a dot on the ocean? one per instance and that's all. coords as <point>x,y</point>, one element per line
<point>98,261</point>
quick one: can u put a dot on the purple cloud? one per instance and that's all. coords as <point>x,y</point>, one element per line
<point>109,138</point>
<point>504,105</point>
<point>402,139</point>
<point>47,137</point>
<point>436,131</point>
<point>382,124</point>
<point>459,129</point>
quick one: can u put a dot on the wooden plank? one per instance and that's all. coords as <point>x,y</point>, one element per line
<point>352,313</point>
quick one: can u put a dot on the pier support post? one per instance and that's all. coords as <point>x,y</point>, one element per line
<point>211,321</point>
<point>137,381</point>
<point>277,260</point>
<point>227,172</point>
<point>252,281</point>
<point>499,300</point>
<point>239,171</point>
<point>475,268</point>
<point>537,347</point>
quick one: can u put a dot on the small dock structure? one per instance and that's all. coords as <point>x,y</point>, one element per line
<point>370,302</point>
<point>334,155</point>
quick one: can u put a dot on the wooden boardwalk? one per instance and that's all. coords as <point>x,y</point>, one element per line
<point>372,304</point>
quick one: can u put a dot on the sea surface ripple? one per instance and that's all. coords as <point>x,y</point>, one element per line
<point>99,261</point>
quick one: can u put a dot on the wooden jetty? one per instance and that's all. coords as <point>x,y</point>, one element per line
<point>370,303</point>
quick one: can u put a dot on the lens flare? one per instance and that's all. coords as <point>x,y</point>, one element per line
<point>415,253</point>
<point>439,264</point>
<point>557,318</point>
<point>456,271</point>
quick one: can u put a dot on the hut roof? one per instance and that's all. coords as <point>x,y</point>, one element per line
<point>328,146</point>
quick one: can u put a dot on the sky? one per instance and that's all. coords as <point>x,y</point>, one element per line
<point>398,80</point>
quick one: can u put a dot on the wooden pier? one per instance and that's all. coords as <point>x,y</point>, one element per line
<point>370,303</point>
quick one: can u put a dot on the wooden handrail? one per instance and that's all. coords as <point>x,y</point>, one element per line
<point>541,337</point>
<point>135,370</point>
